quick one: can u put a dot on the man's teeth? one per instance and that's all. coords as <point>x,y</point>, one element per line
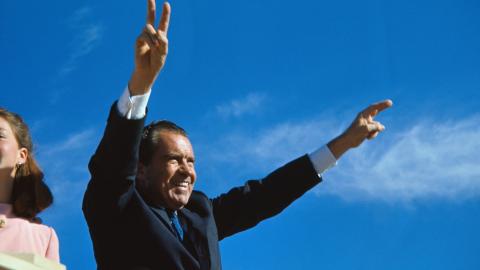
<point>182,184</point>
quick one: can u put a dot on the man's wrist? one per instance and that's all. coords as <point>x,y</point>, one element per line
<point>339,146</point>
<point>140,83</point>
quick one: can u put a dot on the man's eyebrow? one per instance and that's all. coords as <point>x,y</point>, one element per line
<point>176,155</point>
<point>173,154</point>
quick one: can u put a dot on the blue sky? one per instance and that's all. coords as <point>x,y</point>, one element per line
<point>256,84</point>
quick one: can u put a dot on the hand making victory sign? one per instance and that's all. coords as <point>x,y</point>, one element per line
<point>151,49</point>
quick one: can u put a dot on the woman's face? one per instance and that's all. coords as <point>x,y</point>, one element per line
<point>10,154</point>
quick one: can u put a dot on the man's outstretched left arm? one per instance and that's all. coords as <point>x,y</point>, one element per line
<point>244,207</point>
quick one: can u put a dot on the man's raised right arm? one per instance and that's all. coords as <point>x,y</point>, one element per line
<point>113,166</point>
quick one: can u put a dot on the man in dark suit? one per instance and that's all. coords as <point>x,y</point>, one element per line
<point>140,205</point>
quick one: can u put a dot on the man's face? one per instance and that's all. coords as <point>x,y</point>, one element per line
<point>168,179</point>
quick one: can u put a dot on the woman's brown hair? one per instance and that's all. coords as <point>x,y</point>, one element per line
<point>30,194</point>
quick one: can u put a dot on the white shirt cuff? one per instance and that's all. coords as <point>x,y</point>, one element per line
<point>322,159</point>
<point>133,107</point>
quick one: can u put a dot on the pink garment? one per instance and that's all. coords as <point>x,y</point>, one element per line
<point>21,236</point>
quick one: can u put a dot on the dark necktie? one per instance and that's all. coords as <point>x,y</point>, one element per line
<point>176,224</point>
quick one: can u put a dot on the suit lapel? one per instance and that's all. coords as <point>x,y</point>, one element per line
<point>196,233</point>
<point>163,217</point>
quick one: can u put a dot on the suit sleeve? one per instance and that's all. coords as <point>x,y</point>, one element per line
<point>244,207</point>
<point>113,167</point>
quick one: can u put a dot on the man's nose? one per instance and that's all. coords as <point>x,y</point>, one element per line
<point>185,168</point>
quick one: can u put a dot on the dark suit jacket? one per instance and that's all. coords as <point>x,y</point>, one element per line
<point>128,234</point>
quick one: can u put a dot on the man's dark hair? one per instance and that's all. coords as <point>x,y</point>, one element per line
<point>150,136</point>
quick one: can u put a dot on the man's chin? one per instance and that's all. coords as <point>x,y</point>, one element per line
<point>179,202</point>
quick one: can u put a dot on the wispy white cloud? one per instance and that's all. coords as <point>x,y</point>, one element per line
<point>242,106</point>
<point>270,147</point>
<point>426,161</point>
<point>79,15</point>
<point>87,35</point>
<point>71,143</point>
<point>64,163</point>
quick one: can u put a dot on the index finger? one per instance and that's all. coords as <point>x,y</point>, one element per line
<point>151,12</point>
<point>165,20</point>
<point>374,109</point>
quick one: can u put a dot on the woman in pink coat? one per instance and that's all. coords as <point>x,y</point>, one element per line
<point>23,193</point>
